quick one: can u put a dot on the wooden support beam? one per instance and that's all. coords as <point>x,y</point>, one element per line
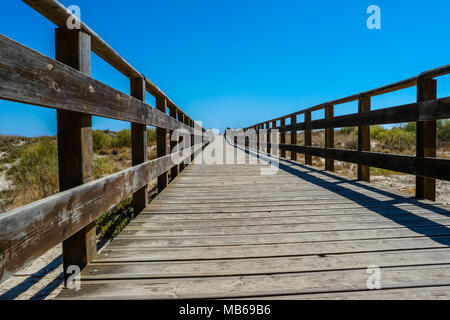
<point>273,136</point>
<point>75,153</point>
<point>364,138</point>
<point>293,137</point>
<point>329,137</point>
<point>426,139</point>
<point>268,137</point>
<point>283,137</point>
<point>191,124</point>
<point>307,136</point>
<point>138,145</point>
<point>161,143</point>
<point>174,141</point>
<point>180,139</point>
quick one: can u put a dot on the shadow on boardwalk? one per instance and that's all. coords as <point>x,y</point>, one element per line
<point>422,225</point>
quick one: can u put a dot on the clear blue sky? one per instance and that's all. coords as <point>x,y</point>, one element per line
<point>235,63</point>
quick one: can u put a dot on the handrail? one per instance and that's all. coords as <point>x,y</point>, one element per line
<point>65,84</point>
<point>407,83</point>
<point>58,14</point>
<point>425,166</point>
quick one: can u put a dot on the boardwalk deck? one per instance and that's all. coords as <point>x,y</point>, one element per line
<point>226,231</point>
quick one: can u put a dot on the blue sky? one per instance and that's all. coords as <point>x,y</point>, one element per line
<point>236,63</point>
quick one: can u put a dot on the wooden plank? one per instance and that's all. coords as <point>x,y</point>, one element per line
<point>418,293</point>
<point>320,248</point>
<point>308,137</point>
<point>293,138</point>
<point>419,111</point>
<point>329,138</point>
<point>422,166</point>
<point>283,138</point>
<point>29,231</point>
<point>278,238</point>
<point>426,139</point>
<point>29,77</point>
<point>363,139</point>
<point>139,146</point>
<point>174,142</point>
<point>75,153</point>
<point>161,144</point>
<point>267,265</point>
<point>259,285</point>
<point>58,14</point>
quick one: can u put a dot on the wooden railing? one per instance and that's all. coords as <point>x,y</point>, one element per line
<point>425,112</point>
<point>65,84</point>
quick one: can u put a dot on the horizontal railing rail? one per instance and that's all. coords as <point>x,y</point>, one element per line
<point>424,112</point>
<point>65,84</point>
<point>29,231</point>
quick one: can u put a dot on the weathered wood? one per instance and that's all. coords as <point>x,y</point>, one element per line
<point>363,138</point>
<point>329,138</point>
<point>283,138</point>
<point>58,14</point>
<point>426,139</point>
<point>263,265</point>
<point>29,77</point>
<point>268,142</point>
<point>293,137</point>
<point>173,141</point>
<point>75,154</point>
<point>206,233</point>
<point>403,84</point>
<point>29,231</point>
<point>260,285</point>
<point>139,145</point>
<point>181,118</point>
<point>308,136</point>
<point>419,111</point>
<point>161,144</point>
<point>422,166</point>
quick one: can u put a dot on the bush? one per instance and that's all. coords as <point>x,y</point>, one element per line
<point>35,175</point>
<point>101,168</point>
<point>121,139</point>
<point>349,130</point>
<point>443,130</point>
<point>100,140</point>
<point>151,136</point>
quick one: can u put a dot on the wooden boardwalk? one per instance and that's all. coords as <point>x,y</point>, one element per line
<point>226,231</point>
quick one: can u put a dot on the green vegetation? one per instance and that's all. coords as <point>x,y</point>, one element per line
<point>112,222</point>
<point>400,138</point>
<point>31,167</point>
<point>35,173</point>
<point>103,141</point>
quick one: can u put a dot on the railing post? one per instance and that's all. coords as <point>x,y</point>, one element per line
<point>273,137</point>
<point>181,119</point>
<point>268,137</point>
<point>426,139</point>
<point>191,124</point>
<point>283,137</point>
<point>329,138</point>
<point>139,146</point>
<point>161,143</point>
<point>293,137</point>
<point>257,138</point>
<point>308,140</point>
<point>364,138</point>
<point>173,143</point>
<point>75,153</point>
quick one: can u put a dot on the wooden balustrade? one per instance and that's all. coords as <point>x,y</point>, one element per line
<point>65,84</point>
<point>425,112</point>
